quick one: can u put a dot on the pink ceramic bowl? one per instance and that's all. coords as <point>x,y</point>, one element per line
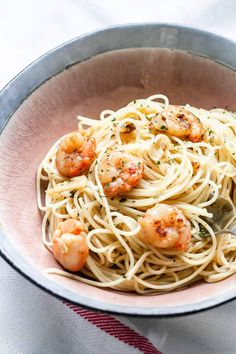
<point>105,69</point>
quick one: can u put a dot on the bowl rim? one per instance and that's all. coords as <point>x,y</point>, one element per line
<point>7,250</point>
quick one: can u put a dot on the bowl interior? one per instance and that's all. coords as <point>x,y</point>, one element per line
<point>107,81</point>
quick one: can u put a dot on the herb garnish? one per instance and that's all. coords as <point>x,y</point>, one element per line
<point>163,128</point>
<point>203,231</point>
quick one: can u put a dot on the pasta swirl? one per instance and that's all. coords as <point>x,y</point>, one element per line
<point>174,168</point>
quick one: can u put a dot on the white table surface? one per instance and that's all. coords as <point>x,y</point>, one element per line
<point>32,321</point>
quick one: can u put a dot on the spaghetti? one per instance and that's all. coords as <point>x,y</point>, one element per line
<point>188,175</point>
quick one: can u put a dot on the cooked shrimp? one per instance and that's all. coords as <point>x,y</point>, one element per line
<point>119,172</point>
<point>75,154</point>
<point>69,245</point>
<point>165,226</point>
<point>178,121</point>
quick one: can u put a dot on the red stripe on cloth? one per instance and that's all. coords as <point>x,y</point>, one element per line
<point>116,329</point>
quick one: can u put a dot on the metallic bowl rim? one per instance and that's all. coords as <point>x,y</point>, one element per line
<point>10,105</point>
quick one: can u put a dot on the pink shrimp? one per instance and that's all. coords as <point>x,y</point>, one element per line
<point>69,245</point>
<point>165,226</point>
<point>75,154</point>
<point>119,172</point>
<point>179,122</point>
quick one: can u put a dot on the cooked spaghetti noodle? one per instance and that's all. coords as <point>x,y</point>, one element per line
<point>188,175</point>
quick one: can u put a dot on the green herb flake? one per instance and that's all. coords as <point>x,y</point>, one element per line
<point>203,231</point>
<point>163,127</point>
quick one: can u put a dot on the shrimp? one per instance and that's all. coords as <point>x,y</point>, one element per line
<point>69,245</point>
<point>75,154</point>
<point>178,121</point>
<point>119,172</point>
<point>165,226</point>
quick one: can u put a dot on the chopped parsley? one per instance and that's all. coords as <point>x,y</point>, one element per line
<point>163,128</point>
<point>203,231</point>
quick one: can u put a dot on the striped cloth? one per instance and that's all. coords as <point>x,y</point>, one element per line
<point>34,322</point>
<point>116,329</point>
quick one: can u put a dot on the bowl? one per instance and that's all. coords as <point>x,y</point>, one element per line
<point>104,69</point>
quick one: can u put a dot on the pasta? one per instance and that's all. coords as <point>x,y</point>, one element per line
<point>182,172</point>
